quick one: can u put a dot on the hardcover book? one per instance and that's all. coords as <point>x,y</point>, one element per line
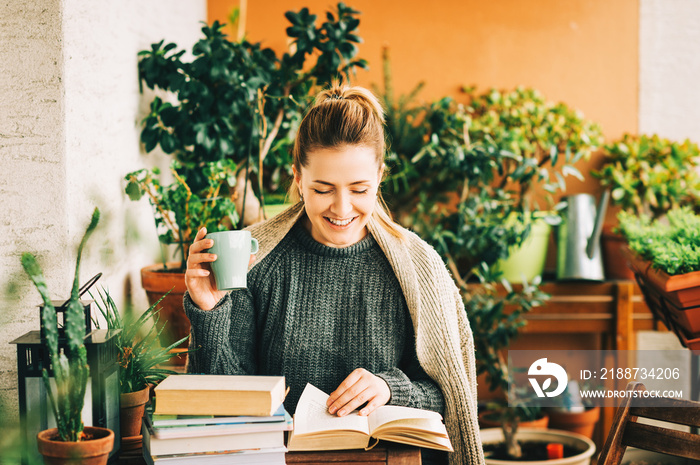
<point>201,444</point>
<point>219,395</point>
<point>316,429</point>
<point>271,456</point>
<point>163,421</point>
<point>191,431</point>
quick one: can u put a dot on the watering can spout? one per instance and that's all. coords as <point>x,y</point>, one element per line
<point>598,226</point>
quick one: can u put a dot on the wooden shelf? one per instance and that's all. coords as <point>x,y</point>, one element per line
<point>612,310</point>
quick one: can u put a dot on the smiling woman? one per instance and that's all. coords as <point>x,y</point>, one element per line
<point>339,188</point>
<point>340,296</point>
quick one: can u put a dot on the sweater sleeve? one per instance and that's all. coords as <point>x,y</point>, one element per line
<point>411,386</point>
<point>223,338</point>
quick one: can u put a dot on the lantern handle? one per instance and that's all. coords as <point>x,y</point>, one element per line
<point>85,287</point>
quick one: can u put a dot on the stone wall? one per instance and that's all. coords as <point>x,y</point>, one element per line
<point>69,132</point>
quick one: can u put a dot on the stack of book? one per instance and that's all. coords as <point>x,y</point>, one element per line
<point>213,419</point>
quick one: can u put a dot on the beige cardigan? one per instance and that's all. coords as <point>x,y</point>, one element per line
<point>444,342</point>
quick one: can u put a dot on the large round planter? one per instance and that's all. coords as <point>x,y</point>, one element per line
<point>495,435</point>
<point>527,261</point>
<point>131,408</point>
<point>582,423</point>
<point>157,283</point>
<point>486,422</point>
<point>94,451</point>
<point>614,259</point>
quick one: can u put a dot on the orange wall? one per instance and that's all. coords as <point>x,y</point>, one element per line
<point>582,52</point>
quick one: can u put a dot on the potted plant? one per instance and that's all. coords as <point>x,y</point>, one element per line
<point>543,141</point>
<point>665,258</point>
<point>647,175</point>
<point>239,101</point>
<point>71,441</point>
<point>487,158</point>
<point>554,447</point>
<point>456,192</point>
<point>140,357</point>
<point>179,212</point>
<point>232,128</point>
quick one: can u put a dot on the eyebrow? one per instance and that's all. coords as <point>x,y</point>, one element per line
<point>331,184</point>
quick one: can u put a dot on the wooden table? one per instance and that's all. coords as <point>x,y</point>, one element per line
<point>388,453</point>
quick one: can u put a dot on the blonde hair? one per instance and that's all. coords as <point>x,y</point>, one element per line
<point>343,115</point>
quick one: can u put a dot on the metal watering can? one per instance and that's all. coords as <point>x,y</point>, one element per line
<point>579,253</point>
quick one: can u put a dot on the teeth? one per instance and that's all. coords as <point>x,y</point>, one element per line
<point>340,222</point>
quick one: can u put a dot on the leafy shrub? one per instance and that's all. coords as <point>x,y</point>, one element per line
<point>672,246</point>
<point>651,175</point>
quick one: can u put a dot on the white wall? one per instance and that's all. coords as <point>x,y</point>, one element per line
<point>69,132</point>
<point>669,68</point>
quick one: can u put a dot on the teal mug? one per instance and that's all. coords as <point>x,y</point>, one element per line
<point>233,250</point>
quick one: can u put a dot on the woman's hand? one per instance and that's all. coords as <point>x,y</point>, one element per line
<point>199,279</point>
<point>359,387</point>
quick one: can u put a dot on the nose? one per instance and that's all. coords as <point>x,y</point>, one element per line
<point>342,205</point>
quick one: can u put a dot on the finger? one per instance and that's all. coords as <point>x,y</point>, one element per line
<point>197,273</point>
<point>355,402</point>
<point>373,404</point>
<point>200,234</point>
<point>198,246</point>
<point>200,258</point>
<point>351,379</point>
<point>347,396</point>
<point>252,260</point>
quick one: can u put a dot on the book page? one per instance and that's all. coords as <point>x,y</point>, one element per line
<point>312,415</point>
<point>388,413</point>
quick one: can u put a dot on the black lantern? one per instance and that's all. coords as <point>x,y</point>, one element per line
<point>101,397</point>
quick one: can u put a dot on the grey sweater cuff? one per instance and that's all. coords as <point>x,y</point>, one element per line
<point>400,386</point>
<point>206,331</point>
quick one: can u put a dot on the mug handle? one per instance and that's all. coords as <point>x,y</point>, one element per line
<point>253,245</point>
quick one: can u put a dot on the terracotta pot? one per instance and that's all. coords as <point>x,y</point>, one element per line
<point>581,423</point>
<point>156,282</point>
<point>486,422</point>
<point>94,451</point>
<point>614,258</point>
<point>682,290</point>
<point>131,408</point>
<point>675,300</point>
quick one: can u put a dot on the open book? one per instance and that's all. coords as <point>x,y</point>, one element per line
<point>316,429</point>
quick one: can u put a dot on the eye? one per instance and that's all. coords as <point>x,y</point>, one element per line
<point>321,192</point>
<point>360,192</point>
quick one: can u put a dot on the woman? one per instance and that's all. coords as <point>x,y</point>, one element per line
<point>339,295</point>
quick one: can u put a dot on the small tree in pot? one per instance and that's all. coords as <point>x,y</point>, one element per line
<point>237,104</point>
<point>70,440</point>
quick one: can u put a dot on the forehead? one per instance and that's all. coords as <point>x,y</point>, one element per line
<point>346,163</point>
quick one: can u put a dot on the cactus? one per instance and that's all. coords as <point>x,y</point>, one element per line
<point>70,369</point>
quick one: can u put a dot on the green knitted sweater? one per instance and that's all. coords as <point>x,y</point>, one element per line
<point>315,313</point>
<point>443,340</point>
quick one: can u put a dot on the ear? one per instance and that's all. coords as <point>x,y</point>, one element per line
<point>297,177</point>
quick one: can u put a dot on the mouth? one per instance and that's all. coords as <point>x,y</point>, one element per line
<point>339,223</point>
